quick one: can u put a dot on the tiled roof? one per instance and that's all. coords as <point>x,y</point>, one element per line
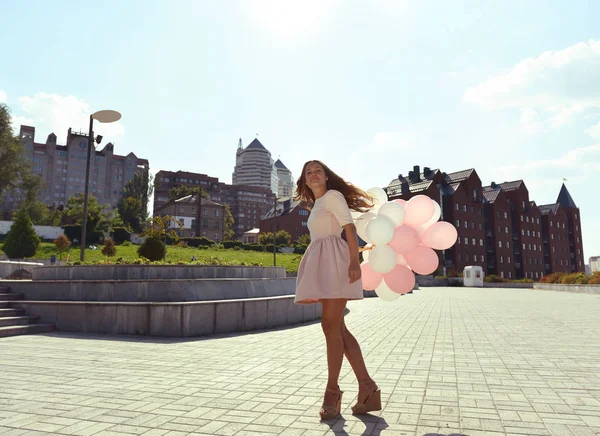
<point>545,209</point>
<point>459,176</point>
<point>397,182</point>
<point>511,186</point>
<point>565,199</point>
<point>490,195</point>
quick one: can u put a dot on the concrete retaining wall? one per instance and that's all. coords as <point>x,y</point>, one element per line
<point>508,285</point>
<point>148,272</point>
<point>172,319</point>
<point>586,289</point>
<point>152,290</point>
<point>7,267</point>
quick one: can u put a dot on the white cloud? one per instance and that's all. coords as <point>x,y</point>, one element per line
<point>52,113</point>
<point>3,97</point>
<point>557,85</point>
<point>594,131</point>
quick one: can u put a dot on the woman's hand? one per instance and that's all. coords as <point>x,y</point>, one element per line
<point>354,272</point>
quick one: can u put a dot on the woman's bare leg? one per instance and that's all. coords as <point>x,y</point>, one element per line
<point>331,322</point>
<point>357,362</point>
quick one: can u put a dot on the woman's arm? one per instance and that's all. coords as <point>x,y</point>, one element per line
<point>354,272</point>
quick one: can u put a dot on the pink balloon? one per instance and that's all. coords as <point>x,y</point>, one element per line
<point>418,210</point>
<point>400,202</point>
<point>405,239</point>
<point>401,279</point>
<point>440,236</point>
<point>370,278</point>
<point>423,260</point>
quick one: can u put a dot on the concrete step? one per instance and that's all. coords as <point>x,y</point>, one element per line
<point>4,304</point>
<point>10,296</point>
<point>17,320</point>
<point>25,329</point>
<point>11,312</point>
<point>4,289</point>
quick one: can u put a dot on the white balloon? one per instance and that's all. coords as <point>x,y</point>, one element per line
<point>437,212</point>
<point>383,259</point>
<point>392,210</point>
<point>385,293</point>
<point>380,230</point>
<point>379,195</point>
<point>361,223</point>
<point>355,214</point>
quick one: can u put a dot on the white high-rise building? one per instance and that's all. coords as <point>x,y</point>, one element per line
<point>286,181</point>
<point>255,167</point>
<point>594,264</point>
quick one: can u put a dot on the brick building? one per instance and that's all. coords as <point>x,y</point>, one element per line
<point>247,203</point>
<point>197,219</point>
<point>290,216</point>
<point>499,227</point>
<point>62,168</point>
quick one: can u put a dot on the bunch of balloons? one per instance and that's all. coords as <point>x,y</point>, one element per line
<point>401,236</point>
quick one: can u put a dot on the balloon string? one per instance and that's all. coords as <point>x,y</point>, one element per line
<point>366,248</point>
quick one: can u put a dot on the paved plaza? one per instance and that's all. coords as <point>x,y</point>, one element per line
<point>448,361</point>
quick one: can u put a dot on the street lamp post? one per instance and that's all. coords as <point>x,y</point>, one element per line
<point>275,231</point>
<point>105,116</point>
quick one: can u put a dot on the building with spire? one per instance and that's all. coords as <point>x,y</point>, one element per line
<point>499,227</point>
<point>255,167</point>
<point>285,187</point>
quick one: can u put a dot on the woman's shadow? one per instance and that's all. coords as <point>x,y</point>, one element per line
<point>374,425</point>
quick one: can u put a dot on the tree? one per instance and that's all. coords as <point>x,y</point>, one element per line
<point>283,238</point>
<point>109,248</point>
<point>21,241</point>
<point>131,211</point>
<point>303,239</point>
<point>158,228</point>
<point>98,220</point>
<point>265,238</point>
<point>228,224</point>
<point>182,191</point>
<point>16,174</point>
<point>62,244</point>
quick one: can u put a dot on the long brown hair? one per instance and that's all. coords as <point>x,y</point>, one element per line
<point>356,198</point>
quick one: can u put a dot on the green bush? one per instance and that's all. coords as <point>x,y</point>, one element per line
<point>126,244</point>
<point>121,235</point>
<point>493,278</point>
<point>233,244</point>
<point>300,249</point>
<point>198,242</point>
<point>73,232</point>
<point>153,249</point>
<point>553,278</point>
<point>21,240</point>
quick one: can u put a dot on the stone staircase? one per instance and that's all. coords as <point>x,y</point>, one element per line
<point>13,320</point>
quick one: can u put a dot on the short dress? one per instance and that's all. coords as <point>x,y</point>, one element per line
<point>323,271</point>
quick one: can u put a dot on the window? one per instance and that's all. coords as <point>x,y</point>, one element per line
<point>473,225</point>
<point>499,229</point>
<point>473,241</point>
<point>575,216</point>
<point>510,275</point>
<point>501,259</point>
<point>481,242</point>
<point>502,274</point>
<point>460,257</point>
<point>480,226</point>
<point>304,224</point>
<point>537,220</point>
<point>523,204</point>
<point>497,214</point>
<point>536,275</point>
<point>464,208</point>
<point>505,215</point>
<point>576,227</point>
<point>552,236</point>
<point>500,244</point>
<point>508,259</point>
<point>563,225</point>
<point>551,225</point>
<point>507,244</point>
<point>471,209</point>
<point>457,206</point>
<point>466,257</point>
<point>578,251</point>
<point>539,247</point>
<point>534,247</point>
<point>466,224</point>
<point>527,219</point>
<point>554,249</point>
<point>521,218</point>
<point>539,235</point>
<point>217,212</point>
<point>466,241</point>
<point>457,223</point>
<point>522,232</point>
<point>524,247</point>
<point>528,233</point>
<point>530,246</point>
<point>482,258</point>
<point>505,229</point>
<point>474,194</point>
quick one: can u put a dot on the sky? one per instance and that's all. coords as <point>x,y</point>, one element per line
<point>510,88</point>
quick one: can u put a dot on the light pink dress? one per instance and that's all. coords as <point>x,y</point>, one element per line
<point>323,271</point>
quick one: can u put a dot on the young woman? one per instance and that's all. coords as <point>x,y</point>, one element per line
<point>330,274</point>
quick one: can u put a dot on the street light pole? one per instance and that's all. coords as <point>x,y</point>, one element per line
<point>274,232</point>
<point>104,116</point>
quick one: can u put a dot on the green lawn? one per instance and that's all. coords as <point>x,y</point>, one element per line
<point>179,254</point>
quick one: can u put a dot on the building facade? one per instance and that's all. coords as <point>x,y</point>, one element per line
<point>62,168</point>
<point>193,218</point>
<point>255,167</point>
<point>499,227</point>
<point>285,187</point>
<point>594,264</point>
<point>248,205</point>
<point>288,215</point>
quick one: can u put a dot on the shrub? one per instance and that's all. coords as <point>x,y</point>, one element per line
<point>126,244</point>
<point>493,278</point>
<point>300,249</point>
<point>121,235</point>
<point>152,249</point>
<point>594,279</point>
<point>109,248</point>
<point>198,242</point>
<point>553,278</point>
<point>523,281</point>
<point>233,244</point>
<point>62,244</point>
<point>21,240</point>
<point>73,232</point>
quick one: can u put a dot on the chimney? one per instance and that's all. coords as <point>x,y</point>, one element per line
<point>405,188</point>
<point>426,172</point>
<point>493,185</point>
<point>400,176</point>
